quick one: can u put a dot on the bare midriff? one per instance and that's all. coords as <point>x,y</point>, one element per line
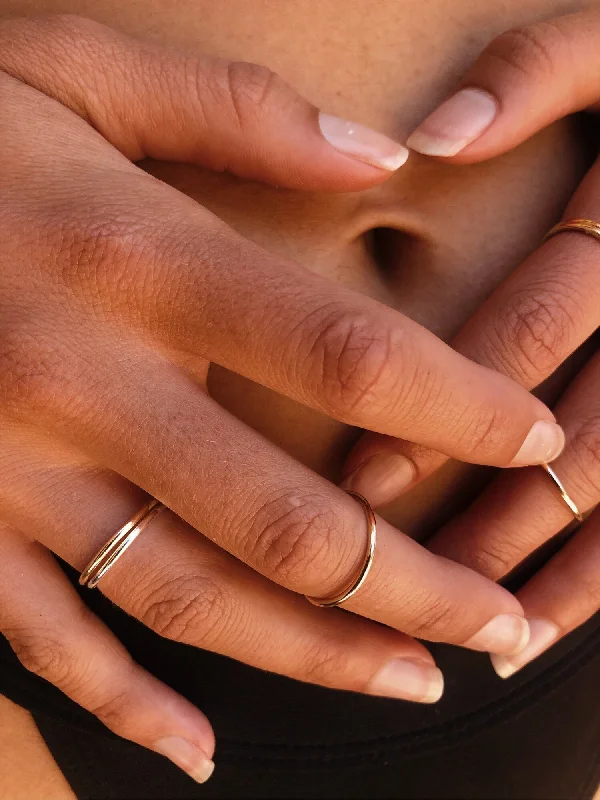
<point>434,240</point>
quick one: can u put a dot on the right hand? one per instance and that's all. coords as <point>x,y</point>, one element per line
<point>116,292</point>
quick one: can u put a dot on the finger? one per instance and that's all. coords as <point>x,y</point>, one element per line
<point>524,80</point>
<point>362,363</point>
<point>527,328</point>
<point>274,514</point>
<point>560,597</point>
<point>513,518</point>
<point>188,281</point>
<point>175,106</point>
<point>56,637</point>
<point>188,590</point>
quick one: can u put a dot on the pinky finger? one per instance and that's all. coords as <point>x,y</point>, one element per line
<point>560,597</point>
<point>55,636</point>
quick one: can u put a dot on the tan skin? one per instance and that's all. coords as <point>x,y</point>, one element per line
<point>453,232</point>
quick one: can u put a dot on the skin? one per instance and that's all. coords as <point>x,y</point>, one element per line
<point>335,243</point>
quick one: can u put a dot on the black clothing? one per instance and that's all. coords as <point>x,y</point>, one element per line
<point>536,735</point>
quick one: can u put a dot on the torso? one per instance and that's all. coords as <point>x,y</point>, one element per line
<point>434,240</point>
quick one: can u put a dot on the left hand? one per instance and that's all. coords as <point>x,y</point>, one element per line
<point>523,81</point>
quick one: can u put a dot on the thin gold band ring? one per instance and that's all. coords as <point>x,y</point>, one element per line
<point>563,493</point>
<point>587,226</point>
<point>590,228</point>
<point>112,551</point>
<point>346,594</point>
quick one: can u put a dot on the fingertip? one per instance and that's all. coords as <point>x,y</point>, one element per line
<point>543,444</point>
<point>187,756</point>
<point>456,123</point>
<point>381,478</point>
<point>361,143</point>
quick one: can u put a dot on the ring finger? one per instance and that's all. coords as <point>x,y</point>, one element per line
<point>521,511</point>
<point>187,589</point>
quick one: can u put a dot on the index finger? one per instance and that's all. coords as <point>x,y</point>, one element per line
<point>321,344</point>
<point>525,79</point>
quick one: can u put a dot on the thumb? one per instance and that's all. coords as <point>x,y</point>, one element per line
<point>152,102</point>
<point>524,80</point>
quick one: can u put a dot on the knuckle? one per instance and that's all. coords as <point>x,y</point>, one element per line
<point>535,329</point>
<point>353,359</point>
<point>584,455</point>
<point>29,365</point>
<point>186,608</point>
<point>250,89</point>
<point>103,250</point>
<point>433,617</point>
<point>326,663</point>
<point>482,431</point>
<point>117,712</point>
<point>493,556</point>
<point>293,538</point>
<point>530,50</point>
<point>41,654</point>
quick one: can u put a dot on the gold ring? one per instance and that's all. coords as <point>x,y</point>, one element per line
<point>347,593</point>
<point>587,226</point>
<point>112,551</point>
<point>563,493</point>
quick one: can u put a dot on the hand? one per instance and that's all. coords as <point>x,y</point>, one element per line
<point>116,292</point>
<point>523,81</point>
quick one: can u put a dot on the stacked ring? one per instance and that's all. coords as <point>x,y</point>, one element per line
<point>118,544</point>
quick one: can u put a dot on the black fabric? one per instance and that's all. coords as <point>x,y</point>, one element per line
<point>536,735</point>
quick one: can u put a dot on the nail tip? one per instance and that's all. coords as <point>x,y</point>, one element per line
<point>525,637</point>
<point>503,635</point>
<point>202,774</point>
<point>362,143</point>
<point>436,690</point>
<point>431,146</point>
<point>393,163</point>
<point>502,667</point>
<point>543,444</point>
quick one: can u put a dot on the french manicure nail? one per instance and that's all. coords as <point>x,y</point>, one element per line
<point>542,634</point>
<point>408,679</point>
<point>455,124</point>
<point>544,442</point>
<point>362,143</point>
<point>507,634</point>
<point>186,756</point>
<point>381,478</point>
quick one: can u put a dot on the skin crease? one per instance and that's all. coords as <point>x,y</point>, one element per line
<point>432,242</point>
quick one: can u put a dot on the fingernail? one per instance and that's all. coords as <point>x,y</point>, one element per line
<point>362,143</point>
<point>507,634</point>
<point>545,442</point>
<point>186,756</point>
<point>542,634</point>
<point>408,679</point>
<point>454,124</point>
<point>381,478</point>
